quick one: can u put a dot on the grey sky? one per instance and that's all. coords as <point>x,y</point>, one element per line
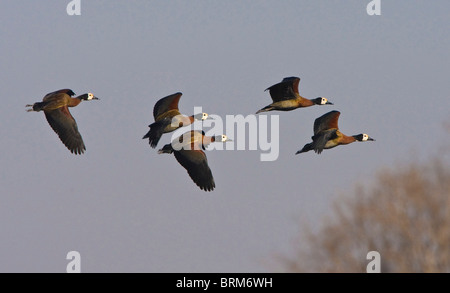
<point>127,209</point>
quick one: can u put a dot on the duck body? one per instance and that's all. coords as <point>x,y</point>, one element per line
<point>286,105</point>
<point>169,123</point>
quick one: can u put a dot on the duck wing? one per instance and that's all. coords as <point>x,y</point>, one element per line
<point>63,123</point>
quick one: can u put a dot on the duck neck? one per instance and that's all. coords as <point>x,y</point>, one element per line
<point>207,140</point>
<point>303,102</point>
<point>74,102</point>
<point>191,119</point>
<point>347,139</point>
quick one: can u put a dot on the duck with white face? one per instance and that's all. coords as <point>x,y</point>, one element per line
<point>188,150</point>
<point>321,101</point>
<point>201,116</point>
<point>285,97</point>
<point>327,134</point>
<point>221,138</point>
<point>91,96</point>
<point>56,109</point>
<point>168,118</point>
<point>363,137</point>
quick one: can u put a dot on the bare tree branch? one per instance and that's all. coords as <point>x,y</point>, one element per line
<point>405,216</point>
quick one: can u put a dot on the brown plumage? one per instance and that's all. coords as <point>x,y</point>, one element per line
<point>168,118</point>
<point>188,150</point>
<point>55,106</point>
<point>285,97</point>
<point>327,134</point>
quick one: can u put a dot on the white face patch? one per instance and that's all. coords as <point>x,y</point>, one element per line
<point>365,137</point>
<point>201,116</point>
<point>324,101</point>
<point>90,96</point>
<point>221,138</point>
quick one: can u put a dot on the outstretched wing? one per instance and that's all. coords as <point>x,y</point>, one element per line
<point>63,91</point>
<point>326,121</point>
<point>65,126</point>
<point>287,89</point>
<point>166,104</point>
<point>320,140</point>
<point>196,164</point>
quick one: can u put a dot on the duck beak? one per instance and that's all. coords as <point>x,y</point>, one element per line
<point>371,139</point>
<point>228,139</point>
<point>95,98</point>
<point>329,103</point>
